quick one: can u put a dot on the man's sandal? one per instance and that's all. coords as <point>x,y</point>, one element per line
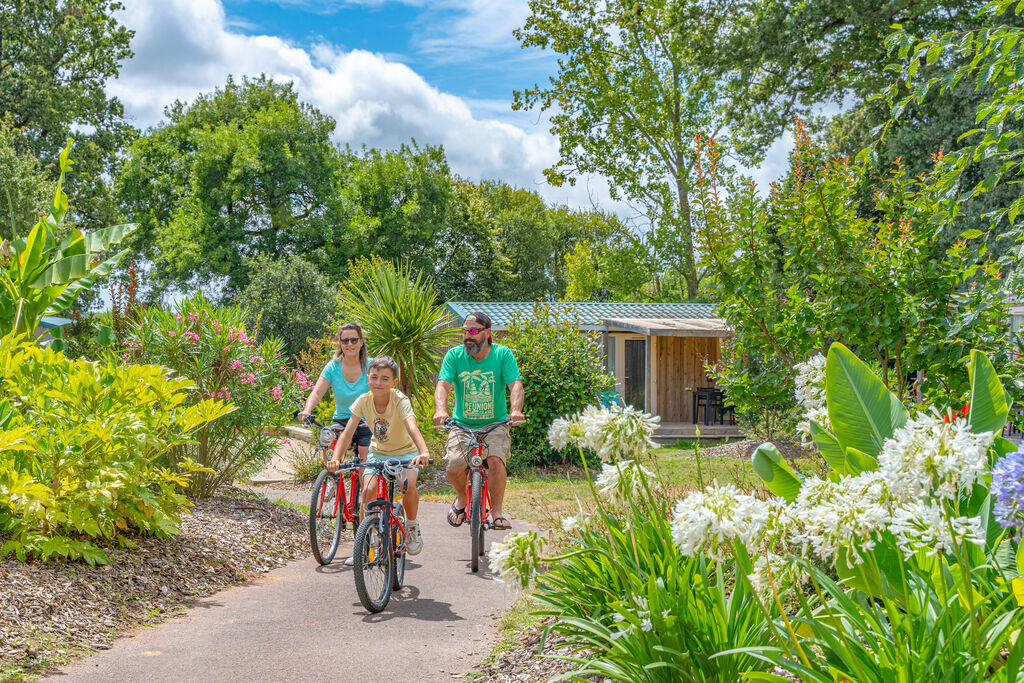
<point>456,513</point>
<point>501,524</point>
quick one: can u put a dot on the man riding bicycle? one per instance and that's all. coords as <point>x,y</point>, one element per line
<point>478,371</point>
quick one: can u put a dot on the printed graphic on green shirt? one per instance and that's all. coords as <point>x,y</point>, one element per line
<point>477,394</point>
<point>380,429</point>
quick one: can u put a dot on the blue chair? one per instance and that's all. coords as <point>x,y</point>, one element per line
<point>610,398</point>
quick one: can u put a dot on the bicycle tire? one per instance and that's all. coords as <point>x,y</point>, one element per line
<point>398,565</point>
<point>372,561</point>
<point>475,523</point>
<point>324,514</point>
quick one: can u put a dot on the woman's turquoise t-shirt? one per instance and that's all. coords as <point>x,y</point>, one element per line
<point>345,392</point>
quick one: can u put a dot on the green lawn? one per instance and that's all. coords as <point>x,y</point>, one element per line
<point>545,496</point>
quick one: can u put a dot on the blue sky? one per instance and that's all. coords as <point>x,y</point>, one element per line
<point>424,37</point>
<point>441,72</point>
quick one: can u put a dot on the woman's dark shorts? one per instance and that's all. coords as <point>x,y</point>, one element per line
<point>362,437</point>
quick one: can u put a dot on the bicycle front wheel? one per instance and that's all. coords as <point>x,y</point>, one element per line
<point>476,529</point>
<point>372,561</point>
<point>324,518</point>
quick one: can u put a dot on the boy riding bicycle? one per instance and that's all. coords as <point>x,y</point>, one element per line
<point>388,412</point>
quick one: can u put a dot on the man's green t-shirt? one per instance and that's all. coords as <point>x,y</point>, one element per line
<point>479,384</point>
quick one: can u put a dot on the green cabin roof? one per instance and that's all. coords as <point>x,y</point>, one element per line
<point>591,314</point>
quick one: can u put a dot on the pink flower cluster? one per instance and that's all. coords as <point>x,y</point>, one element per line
<point>275,393</point>
<point>256,360</point>
<point>302,380</point>
<point>248,378</point>
<point>223,393</point>
<point>191,336</point>
<point>235,364</point>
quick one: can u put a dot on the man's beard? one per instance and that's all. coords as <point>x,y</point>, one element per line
<point>472,348</point>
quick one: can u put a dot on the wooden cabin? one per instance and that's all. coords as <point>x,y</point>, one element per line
<point>656,352</point>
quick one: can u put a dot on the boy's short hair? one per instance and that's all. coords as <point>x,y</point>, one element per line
<point>381,362</point>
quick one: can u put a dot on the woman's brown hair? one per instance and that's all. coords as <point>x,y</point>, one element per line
<point>338,354</point>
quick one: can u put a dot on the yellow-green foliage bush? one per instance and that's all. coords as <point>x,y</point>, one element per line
<point>79,447</point>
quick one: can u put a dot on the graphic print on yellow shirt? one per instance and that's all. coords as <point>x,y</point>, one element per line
<point>390,435</point>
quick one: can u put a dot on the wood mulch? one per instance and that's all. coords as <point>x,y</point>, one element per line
<point>52,611</point>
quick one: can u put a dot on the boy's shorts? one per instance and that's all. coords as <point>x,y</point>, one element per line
<point>497,444</point>
<point>405,458</point>
<point>362,435</point>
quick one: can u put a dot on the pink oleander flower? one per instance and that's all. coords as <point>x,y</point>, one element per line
<point>256,359</point>
<point>285,442</point>
<point>276,392</point>
<point>236,364</point>
<point>125,355</point>
<point>192,336</point>
<point>172,333</point>
<point>248,378</point>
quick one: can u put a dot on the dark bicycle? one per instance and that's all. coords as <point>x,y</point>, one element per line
<point>477,497</point>
<point>334,503</point>
<point>379,550</point>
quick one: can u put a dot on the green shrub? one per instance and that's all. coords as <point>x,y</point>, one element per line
<point>289,298</point>
<point>311,361</point>
<point>79,449</point>
<point>562,372</point>
<point>210,346</point>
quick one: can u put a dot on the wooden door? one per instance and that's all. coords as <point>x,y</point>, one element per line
<point>635,379</point>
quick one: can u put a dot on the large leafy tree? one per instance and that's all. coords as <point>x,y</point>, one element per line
<point>806,267</point>
<point>626,103</point>
<point>242,171</point>
<point>780,58</point>
<point>55,58</point>
<point>400,205</point>
<point>26,189</point>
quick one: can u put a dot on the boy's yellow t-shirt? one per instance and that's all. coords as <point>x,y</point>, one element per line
<point>390,436</point>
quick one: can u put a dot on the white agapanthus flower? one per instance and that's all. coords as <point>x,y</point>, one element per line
<point>704,520</point>
<point>616,433</point>
<point>848,513</point>
<point>623,479</point>
<point>929,456</point>
<point>921,526</point>
<point>809,386</point>
<point>785,573</point>
<point>515,558</point>
<point>571,523</point>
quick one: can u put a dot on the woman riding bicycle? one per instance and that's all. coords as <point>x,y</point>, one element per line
<point>345,375</point>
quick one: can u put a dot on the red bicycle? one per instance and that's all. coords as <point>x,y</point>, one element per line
<point>333,503</point>
<point>379,550</point>
<point>477,497</point>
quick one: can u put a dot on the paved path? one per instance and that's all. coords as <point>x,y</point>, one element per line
<point>305,622</point>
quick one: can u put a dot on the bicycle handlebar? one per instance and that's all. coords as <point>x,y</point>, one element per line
<point>450,424</point>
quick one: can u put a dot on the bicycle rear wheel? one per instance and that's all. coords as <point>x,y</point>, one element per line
<point>372,562</point>
<point>476,530</point>
<point>398,539</point>
<point>324,518</point>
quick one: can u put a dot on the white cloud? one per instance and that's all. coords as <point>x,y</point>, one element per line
<point>187,47</point>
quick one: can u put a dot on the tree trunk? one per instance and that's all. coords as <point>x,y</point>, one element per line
<point>681,177</point>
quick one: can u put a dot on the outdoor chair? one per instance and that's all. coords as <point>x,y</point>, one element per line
<point>610,399</point>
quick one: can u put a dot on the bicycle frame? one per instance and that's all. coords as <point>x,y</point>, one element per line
<point>485,498</point>
<point>343,504</point>
<point>385,503</point>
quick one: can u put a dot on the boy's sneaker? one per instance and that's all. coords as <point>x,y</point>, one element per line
<point>413,538</point>
<point>349,561</point>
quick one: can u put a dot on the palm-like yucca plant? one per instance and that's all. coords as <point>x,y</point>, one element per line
<point>401,317</point>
